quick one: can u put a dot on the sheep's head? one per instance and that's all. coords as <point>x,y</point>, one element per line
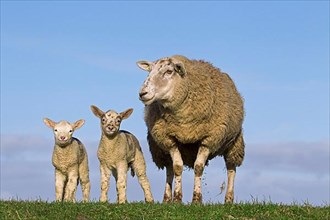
<point>63,130</point>
<point>110,120</point>
<point>164,76</point>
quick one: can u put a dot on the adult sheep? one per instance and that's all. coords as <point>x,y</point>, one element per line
<point>193,113</point>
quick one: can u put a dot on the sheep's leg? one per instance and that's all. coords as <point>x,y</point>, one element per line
<point>105,182</point>
<point>71,186</point>
<point>139,167</point>
<point>199,165</point>
<point>178,168</point>
<point>168,187</point>
<point>121,182</point>
<point>84,179</point>
<point>234,158</point>
<point>60,181</point>
<point>231,171</point>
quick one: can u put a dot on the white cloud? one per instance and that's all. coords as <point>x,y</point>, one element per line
<point>283,172</point>
<point>293,157</point>
<point>22,147</point>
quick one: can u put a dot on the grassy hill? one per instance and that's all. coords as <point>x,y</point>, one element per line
<point>95,210</point>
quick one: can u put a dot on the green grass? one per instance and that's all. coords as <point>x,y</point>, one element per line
<point>95,210</point>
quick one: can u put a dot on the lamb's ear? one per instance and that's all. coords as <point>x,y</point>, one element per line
<point>126,114</point>
<point>78,124</point>
<point>179,68</point>
<point>49,123</point>
<point>145,65</point>
<point>97,112</point>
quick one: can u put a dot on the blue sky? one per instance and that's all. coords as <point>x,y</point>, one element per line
<point>58,58</point>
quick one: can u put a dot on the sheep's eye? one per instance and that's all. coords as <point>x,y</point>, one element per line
<point>55,130</point>
<point>118,120</point>
<point>103,120</point>
<point>70,131</point>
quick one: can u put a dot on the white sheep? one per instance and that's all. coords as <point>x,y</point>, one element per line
<point>70,161</point>
<point>118,151</point>
<point>194,113</point>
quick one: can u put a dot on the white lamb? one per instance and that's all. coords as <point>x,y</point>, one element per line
<point>70,161</point>
<point>118,151</point>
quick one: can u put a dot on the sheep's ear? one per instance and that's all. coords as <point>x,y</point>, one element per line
<point>145,65</point>
<point>126,114</point>
<point>78,124</point>
<point>97,112</point>
<point>49,123</point>
<point>179,68</point>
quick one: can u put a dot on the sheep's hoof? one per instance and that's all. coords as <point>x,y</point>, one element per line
<point>229,198</point>
<point>197,198</point>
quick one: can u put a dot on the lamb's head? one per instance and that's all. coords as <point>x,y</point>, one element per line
<point>110,120</point>
<point>63,130</point>
<point>165,76</point>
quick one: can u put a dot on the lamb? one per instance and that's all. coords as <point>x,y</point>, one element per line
<point>118,151</point>
<point>193,113</point>
<point>70,161</point>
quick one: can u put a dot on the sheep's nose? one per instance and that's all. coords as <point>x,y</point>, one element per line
<point>62,138</point>
<point>142,93</point>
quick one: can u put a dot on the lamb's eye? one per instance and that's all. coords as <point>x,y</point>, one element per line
<point>103,120</point>
<point>70,131</point>
<point>55,130</point>
<point>118,120</point>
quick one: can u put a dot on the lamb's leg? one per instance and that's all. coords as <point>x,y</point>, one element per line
<point>121,182</point>
<point>139,167</point>
<point>60,180</point>
<point>71,186</point>
<point>168,187</point>
<point>84,179</point>
<point>178,168</point>
<point>199,165</point>
<point>105,182</point>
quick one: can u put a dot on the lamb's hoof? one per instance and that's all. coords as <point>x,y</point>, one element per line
<point>150,201</point>
<point>167,198</point>
<point>69,200</point>
<point>177,198</point>
<point>103,199</point>
<point>197,198</point>
<point>122,202</point>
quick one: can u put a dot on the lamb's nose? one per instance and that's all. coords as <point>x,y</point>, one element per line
<point>62,138</point>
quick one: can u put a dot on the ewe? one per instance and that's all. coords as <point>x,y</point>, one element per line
<point>70,161</point>
<point>193,113</point>
<point>118,151</point>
